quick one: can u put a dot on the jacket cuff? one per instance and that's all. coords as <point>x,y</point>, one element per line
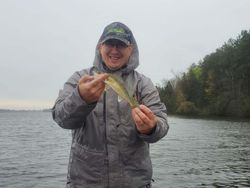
<point>78,104</point>
<point>71,113</point>
<point>154,136</point>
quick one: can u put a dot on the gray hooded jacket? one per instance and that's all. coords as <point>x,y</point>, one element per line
<point>107,151</point>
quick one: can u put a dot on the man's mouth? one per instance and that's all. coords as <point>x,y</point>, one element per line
<point>114,58</point>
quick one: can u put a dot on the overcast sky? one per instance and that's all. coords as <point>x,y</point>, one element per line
<point>43,42</point>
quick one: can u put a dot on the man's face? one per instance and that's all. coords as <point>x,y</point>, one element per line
<point>115,53</point>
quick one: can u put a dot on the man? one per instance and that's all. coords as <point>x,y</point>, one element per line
<point>110,141</point>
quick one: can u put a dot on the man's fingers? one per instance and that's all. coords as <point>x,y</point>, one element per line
<point>86,78</point>
<point>147,112</point>
<point>93,79</point>
<point>91,87</point>
<point>141,126</point>
<point>93,83</point>
<point>142,116</point>
<point>137,118</point>
<point>99,79</point>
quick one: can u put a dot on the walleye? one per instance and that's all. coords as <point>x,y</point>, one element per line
<point>113,82</point>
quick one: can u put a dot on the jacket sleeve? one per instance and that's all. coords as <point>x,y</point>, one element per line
<point>70,110</point>
<point>149,96</point>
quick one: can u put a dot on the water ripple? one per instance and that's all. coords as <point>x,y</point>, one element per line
<point>195,153</point>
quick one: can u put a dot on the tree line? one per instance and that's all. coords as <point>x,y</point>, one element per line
<point>217,85</point>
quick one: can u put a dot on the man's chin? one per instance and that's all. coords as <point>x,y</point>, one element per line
<point>114,67</point>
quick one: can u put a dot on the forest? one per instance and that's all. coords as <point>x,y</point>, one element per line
<point>218,85</point>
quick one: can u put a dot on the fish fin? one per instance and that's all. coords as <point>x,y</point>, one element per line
<point>117,78</point>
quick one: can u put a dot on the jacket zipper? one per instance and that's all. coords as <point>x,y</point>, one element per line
<point>105,133</point>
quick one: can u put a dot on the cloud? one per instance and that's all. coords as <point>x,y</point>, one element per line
<point>44,42</point>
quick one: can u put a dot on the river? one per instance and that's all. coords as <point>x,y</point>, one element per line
<point>195,153</point>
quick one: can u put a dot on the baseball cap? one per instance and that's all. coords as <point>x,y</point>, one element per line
<point>117,30</point>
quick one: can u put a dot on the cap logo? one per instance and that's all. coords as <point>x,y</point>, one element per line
<point>116,30</point>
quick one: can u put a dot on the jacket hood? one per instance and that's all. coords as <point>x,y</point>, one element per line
<point>133,60</point>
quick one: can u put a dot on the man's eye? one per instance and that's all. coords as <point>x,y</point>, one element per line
<point>121,45</point>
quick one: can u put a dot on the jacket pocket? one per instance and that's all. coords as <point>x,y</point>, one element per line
<point>86,165</point>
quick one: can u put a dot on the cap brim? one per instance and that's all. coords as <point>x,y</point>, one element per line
<point>117,38</point>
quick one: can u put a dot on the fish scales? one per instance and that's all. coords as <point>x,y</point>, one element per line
<point>121,91</point>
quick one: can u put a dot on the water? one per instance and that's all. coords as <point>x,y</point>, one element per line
<point>196,153</point>
<point>203,153</point>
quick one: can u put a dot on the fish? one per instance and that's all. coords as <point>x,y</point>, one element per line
<point>114,83</point>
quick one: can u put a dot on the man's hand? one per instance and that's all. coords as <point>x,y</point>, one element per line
<point>144,118</point>
<point>91,87</point>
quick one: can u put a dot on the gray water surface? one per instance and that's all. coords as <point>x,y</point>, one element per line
<point>34,152</point>
<point>203,153</point>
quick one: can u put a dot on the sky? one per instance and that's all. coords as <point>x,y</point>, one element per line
<point>43,42</point>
